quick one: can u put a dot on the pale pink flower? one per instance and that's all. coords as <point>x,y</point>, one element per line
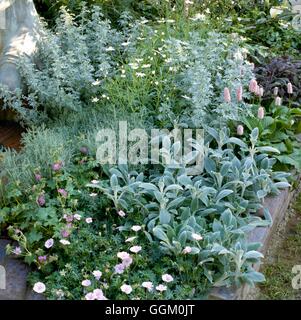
<point>63,193</point>
<point>77,217</point>
<point>123,255</point>
<point>119,268</point>
<point>121,213</point>
<point>39,287</point>
<point>94,181</point>
<point>17,251</point>
<point>253,86</point>
<point>167,278</point>
<point>187,250</point>
<point>89,220</point>
<point>127,289</point>
<point>289,88</point>
<point>57,166</point>
<point>97,274</point>
<point>135,249</point>
<point>90,296</point>
<point>86,283</point>
<point>227,95</point>
<point>260,113</point>
<point>276,91</point>
<point>259,91</point>
<point>196,236</point>
<point>148,285</point>
<point>278,101</point>
<point>98,295</point>
<point>239,92</point>
<point>136,228</point>
<point>49,243</point>
<point>240,130</point>
<point>131,239</point>
<point>127,262</point>
<point>161,288</point>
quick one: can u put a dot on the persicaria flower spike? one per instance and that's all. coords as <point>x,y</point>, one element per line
<point>227,95</point>
<point>253,86</point>
<point>260,113</point>
<point>278,101</point>
<point>289,88</point>
<point>240,130</point>
<point>239,92</point>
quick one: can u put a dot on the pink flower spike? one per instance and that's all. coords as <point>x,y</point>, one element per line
<point>278,101</point>
<point>253,86</point>
<point>289,88</point>
<point>260,113</point>
<point>239,92</point>
<point>227,95</point>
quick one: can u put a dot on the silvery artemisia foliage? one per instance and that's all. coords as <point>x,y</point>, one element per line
<point>206,66</point>
<point>78,53</point>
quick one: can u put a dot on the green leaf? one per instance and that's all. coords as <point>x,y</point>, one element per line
<point>164,216</point>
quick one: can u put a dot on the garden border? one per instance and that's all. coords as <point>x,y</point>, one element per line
<point>278,207</point>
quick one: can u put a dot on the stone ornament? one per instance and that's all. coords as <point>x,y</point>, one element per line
<point>19,33</point>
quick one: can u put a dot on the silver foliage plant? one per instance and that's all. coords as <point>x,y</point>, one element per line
<point>206,66</point>
<point>205,217</point>
<point>73,61</point>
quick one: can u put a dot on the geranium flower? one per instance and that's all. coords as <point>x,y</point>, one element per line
<point>119,268</point>
<point>121,213</point>
<point>123,255</point>
<point>41,200</point>
<point>167,278</point>
<point>161,288</point>
<point>49,243</point>
<point>98,295</point>
<point>77,217</point>
<point>135,249</point>
<point>90,296</point>
<point>97,274</point>
<point>57,166</point>
<point>86,283</point>
<point>187,250</point>
<point>63,192</point>
<point>148,285</point>
<point>65,233</point>
<point>89,220</point>
<point>17,251</point>
<point>127,289</point>
<point>39,287</point>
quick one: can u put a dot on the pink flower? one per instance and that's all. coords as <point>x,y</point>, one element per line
<point>84,150</point>
<point>89,220</point>
<point>65,233</point>
<point>135,249</point>
<point>253,86</point>
<point>227,95</point>
<point>49,243</point>
<point>167,278</point>
<point>63,192</point>
<point>17,251</point>
<point>148,285</point>
<point>121,213</point>
<point>187,250</point>
<point>39,287</point>
<point>97,274</point>
<point>127,289</point>
<point>57,166</point>
<point>278,101</point>
<point>259,91</point>
<point>240,130</point>
<point>90,296</point>
<point>119,268</point>
<point>123,255</point>
<point>42,259</point>
<point>276,91</point>
<point>161,288</point>
<point>94,181</point>
<point>68,218</point>
<point>38,177</point>
<point>260,113</point>
<point>289,88</point>
<point>127,262</point>
<point>98,295</point>
<point>41,200</point>
<point>239,92</point>
<point>86,283</point>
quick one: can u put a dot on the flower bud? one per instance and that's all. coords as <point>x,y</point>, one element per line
<point>240,130</point>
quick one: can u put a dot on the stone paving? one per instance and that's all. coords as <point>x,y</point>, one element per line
<point>15,278</point>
